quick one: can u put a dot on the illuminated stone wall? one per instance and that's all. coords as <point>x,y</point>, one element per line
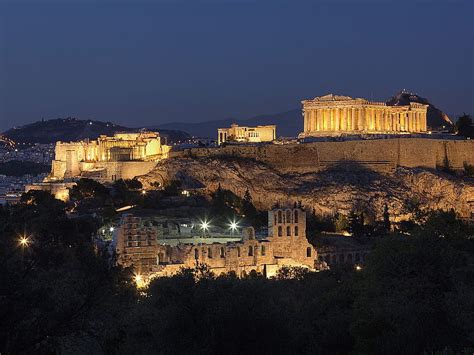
<point>336,115</point>
<point>382,155</point>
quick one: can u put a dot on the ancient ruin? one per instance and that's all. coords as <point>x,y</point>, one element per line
<point>122,156</point>
<point>338,115</point>
<point>138,244</point>
<point>245,134</point>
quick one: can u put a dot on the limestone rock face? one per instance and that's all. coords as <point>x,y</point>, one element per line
<point>327,192</point>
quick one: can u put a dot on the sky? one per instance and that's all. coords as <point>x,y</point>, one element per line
<point>152,62</point>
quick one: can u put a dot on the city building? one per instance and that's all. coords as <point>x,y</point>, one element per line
<point>245,134</point>
<point>122,156</point>
<point>339,115</point>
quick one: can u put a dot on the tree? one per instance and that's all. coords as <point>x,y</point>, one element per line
<point>414,291</point>
<point>464,126</point>
<point>386,218</point>
<point>356,223</point>
<point>88,188</point>
<point>341,223</point>
<point>248,208</point>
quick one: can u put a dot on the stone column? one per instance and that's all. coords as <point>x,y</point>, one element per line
<point>332,119</point>
<point>316,113</point>
<point>305,121</point>
<point>345,121</point>
<point>360,119</point>
<point>368,117</point>
<point>337,114</point>
<point>376,126</point>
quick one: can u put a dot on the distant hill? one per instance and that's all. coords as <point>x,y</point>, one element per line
<point>435,117</point>
<point>72,129</point>
<point>289,124</point>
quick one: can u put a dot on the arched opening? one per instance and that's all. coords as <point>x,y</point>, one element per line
<point>288,216</point>
<point>308,252</point>
<point>196,254</point>
<point>238,252</point>
<point>280,218</point>
<point>209,253</point>
<point>250,251</point>
<point>296,216</point>
<point>222,252</point>
<point>263,250</point>
<point>296,231</point>
<point>280,231</point>
<point>288,231</point>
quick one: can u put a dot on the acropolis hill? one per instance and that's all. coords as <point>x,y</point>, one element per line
<point>332,177</point>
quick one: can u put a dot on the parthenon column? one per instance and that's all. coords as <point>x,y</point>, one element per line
<point>378,120</point>
<point>344,121</point>
<point>337,119</point>
<point>360,123</point>
<point>316,113</point>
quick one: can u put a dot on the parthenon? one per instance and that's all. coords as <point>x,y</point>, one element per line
<point>335,115</point>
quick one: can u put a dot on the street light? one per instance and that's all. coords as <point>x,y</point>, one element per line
<point>204,226</point>
<point>233,226</point>
<point>24,241</point>
<point>143,192</point>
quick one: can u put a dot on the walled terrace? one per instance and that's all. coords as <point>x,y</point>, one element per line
<point>380,155</point>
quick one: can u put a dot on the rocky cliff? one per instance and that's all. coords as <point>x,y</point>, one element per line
<point>327,191</point>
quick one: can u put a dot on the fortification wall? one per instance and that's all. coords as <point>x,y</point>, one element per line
<point>381,155</point>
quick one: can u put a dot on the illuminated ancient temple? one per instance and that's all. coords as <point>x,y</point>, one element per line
<point>338,115</point>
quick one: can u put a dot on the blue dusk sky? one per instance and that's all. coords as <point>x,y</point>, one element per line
<point>152,62</point>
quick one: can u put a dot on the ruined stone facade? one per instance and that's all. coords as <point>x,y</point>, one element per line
<point>125,155</point>
<point>137,245</point>
<point>338,115</point>
<point>238,133</point>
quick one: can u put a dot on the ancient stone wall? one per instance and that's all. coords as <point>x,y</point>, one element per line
<point>382,155</point>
